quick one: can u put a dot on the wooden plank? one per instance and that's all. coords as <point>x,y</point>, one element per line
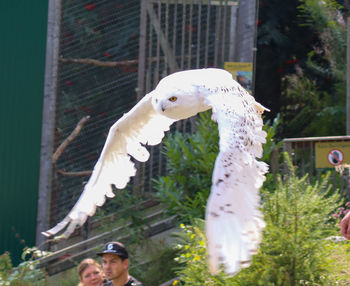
<point>92,241</point>
<point>96,223</point>
<point>71,256</point>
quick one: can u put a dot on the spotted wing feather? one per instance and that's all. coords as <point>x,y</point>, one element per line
<point>234,223</point>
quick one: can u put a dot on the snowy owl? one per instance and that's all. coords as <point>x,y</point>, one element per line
<point>234,223</point>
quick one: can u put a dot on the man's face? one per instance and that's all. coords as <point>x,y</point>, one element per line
<point>114,266</point>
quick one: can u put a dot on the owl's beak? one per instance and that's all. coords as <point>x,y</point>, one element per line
<point>163,107</point>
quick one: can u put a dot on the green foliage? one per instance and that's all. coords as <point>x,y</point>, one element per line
<point>282,45</point>
<point>128,210</point>
<point>191,160</point>
<point>270,128</point>
<point>271,145</point>
<point>156,264</point>
<point>26,273</point>
<point>294,250</point>
<point>193,257</point>
<point>66,278</point>
<point>340,255</point>
<point>317,93</point>
<point>325,19</point>
<point>307,110</point>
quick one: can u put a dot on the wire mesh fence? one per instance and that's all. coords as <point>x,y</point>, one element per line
<point>110,55</point>
<point>92,36</point>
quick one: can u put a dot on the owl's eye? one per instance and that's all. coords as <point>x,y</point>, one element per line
<point>173,98</point>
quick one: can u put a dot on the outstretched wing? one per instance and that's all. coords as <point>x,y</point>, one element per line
<point>233,221</point>
<point>141,125</point>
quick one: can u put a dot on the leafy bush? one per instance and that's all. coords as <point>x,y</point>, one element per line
<point>193,257</point>
<point>26,273</point>
<point>191,160</point>
<point>271,144</point>
<point>294,250</point>
<point>156,264</point>
<point>316,91</point>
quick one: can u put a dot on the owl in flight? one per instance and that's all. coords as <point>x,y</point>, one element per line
<point>234,223</point>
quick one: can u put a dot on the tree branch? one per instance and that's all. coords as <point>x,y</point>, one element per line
<point>69,139</point>
<point>73,174</point>
<point>112,63</point>
<point>99,63</point>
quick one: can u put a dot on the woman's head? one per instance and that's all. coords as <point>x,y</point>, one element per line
<point>90,273</point>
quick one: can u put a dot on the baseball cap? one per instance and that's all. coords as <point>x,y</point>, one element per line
<point>114,247</point>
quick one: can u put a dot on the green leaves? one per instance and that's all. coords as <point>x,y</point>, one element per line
<point>271,129</point>
<point>193,256</point>
<point>191,160</point>
<point>26,273</point>
<point>294,250</point>
<point>316,93</point>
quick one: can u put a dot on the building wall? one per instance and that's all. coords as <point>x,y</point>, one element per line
<point>22,61</point>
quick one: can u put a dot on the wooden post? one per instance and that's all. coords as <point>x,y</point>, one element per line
<point>233,31</point>
<point>142,51</point>
<point>48,118</point>
<point>246,31</point>
<point>245,49</point>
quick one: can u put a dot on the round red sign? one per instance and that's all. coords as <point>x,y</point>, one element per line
<point>335,157</point>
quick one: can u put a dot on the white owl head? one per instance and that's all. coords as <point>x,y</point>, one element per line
<point>177,99</point>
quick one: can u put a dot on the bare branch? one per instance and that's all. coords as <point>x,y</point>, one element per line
<point>75,174</point>
<point>112,63</point>
<point>69,139</point>
<point>99,63</point>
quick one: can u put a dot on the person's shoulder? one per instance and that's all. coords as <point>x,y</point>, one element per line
<point>134,282</point>
<point>107,283</point>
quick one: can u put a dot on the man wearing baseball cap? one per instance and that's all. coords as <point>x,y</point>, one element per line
<point>115,263</point>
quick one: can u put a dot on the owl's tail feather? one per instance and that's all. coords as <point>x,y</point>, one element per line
<point>234,223</point>
<point>57,228</point>
<point>230,248</point>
